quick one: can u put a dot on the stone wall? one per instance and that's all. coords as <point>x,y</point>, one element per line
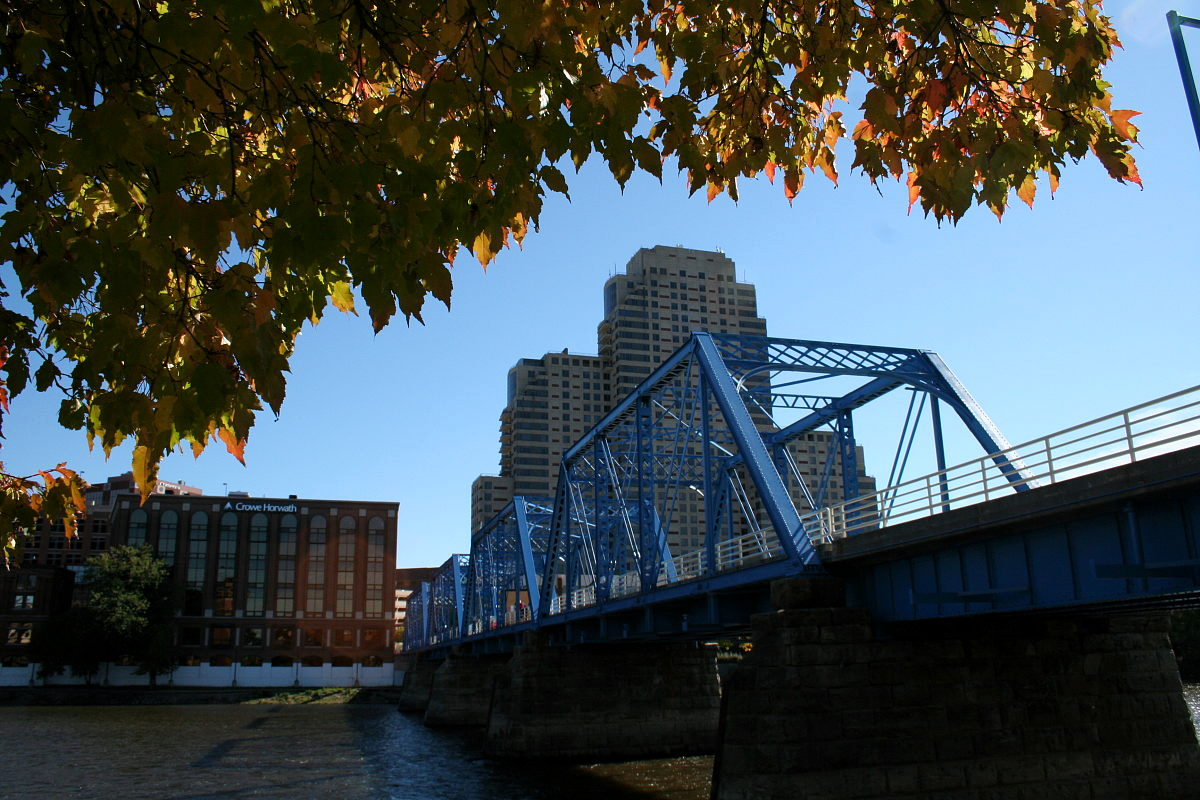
<point>418,681</point>
<point>461,691</point>
<point>827,705</point>
<point>605,702</point>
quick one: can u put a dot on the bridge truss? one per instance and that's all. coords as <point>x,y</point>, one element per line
<point>699,484</point>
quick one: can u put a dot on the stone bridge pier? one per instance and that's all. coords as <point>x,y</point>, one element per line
<point>598,702</point>
<point>830,705</point>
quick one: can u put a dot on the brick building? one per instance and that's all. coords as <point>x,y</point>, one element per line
<point>275,591</point>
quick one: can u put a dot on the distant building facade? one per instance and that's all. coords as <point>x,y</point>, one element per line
<point>408,583</point>
<point>276,592</point>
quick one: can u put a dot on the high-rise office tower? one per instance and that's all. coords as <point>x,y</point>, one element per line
<point>650,310</point>
<point>552,402</point>
<point>664,295</point>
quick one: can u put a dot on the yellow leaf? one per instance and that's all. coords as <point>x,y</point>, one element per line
<point>485,247</point>
<point>342,297</point>
<point>145,470</point>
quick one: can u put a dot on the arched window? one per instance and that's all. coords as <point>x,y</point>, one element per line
<point>137,528</point>
<point>226,565</point>
<point>347,536</point>
<point>197,564</point>
<point>376,551</point>
<point>256,567</point>
<point>314,595</point>
<point>168,532</point>
<point>285,574</point>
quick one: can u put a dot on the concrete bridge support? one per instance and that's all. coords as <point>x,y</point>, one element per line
<point>605,702</point>
<point>829,705</point>
<point>418,681</point>
<point>461,690</point>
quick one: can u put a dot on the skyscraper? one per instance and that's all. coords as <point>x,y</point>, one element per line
<point>650,310</point>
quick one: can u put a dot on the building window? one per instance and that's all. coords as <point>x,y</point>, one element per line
<point>285,574</point>
<point>253,637</point>
<point>252,661</point>
<point>343,637</point>
<point>314,637</point>
<point>191,636</point>
<point>314,600</point>
<point>137,528</point>
<point>376,546</point>
<point>168,532</point>
<point>20,633</point>
<point>197,564</point>
<point>283,637</point>
<point>372,637</point>
<point>23,602</point>
<point>226,565</point>
<point>256,567</point>
<point>221,636</point>
<point>345,568</point>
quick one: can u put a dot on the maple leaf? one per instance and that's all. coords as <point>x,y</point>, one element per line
<point>273,165</point>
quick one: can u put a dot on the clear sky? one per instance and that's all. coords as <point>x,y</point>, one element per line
<point>1085,305</point>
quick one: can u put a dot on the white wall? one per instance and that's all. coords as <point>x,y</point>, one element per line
<point>207,675</point>
<point>17,676</point>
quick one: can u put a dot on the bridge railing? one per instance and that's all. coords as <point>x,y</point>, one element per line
<point>1142,431</point>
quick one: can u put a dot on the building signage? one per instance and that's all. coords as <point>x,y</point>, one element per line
<point>282,508</point>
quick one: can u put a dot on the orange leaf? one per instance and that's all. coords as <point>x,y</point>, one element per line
<point>1127,130</point>
<point>234,445</point>
<point>936,95</point>
<point>914,191</point>
<point>770,168</point>
<point>792,181</point>
<point>714,189</point>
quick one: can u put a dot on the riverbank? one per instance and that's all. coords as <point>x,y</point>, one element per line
<point>171,695</point>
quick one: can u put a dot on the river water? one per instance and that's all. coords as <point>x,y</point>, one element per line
<point>294,752</point>
<point>299,752</point>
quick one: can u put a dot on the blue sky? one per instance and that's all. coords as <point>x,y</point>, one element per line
<point>1082,306</point>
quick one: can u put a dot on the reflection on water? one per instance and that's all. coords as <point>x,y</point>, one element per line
<point>295,752</point>
<point>299,752</point>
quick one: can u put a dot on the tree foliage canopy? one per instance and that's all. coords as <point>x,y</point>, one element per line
<point>134,601</point>
<point>189,181</point>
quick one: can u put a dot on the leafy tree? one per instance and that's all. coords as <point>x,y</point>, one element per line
<point>135,603</point>
<point>190,181</point>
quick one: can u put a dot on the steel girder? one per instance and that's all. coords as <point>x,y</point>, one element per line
<point>505,567</point>
<point>695,450</point>
<point>416,618</point>
<point>445,602</point>
<point>687,486</point>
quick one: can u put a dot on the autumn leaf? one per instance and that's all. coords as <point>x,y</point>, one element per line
<point>342,297</point>
<point>1120,121</point>
<point>279,159</point>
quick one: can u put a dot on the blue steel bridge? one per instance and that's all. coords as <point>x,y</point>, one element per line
<point>735,463</point>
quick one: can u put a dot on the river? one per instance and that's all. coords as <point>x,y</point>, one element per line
<point>299,752</point>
